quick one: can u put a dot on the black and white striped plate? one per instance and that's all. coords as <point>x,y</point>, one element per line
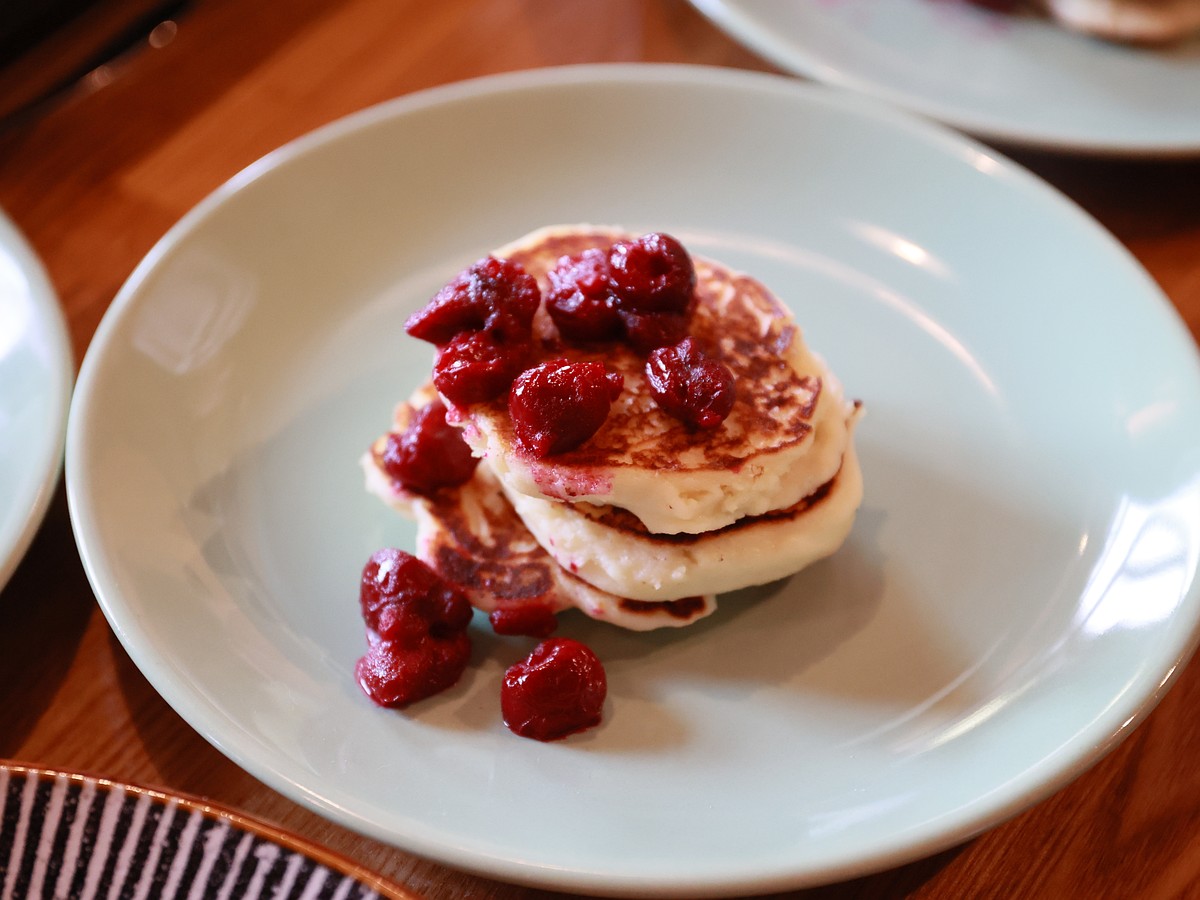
<point>67,835</point>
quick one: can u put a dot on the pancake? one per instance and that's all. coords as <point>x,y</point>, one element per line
<point>785,437</point>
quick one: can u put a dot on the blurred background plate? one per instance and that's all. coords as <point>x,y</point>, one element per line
<point>1009,77</point>
<point>36,373</point>
<point>66,834</point>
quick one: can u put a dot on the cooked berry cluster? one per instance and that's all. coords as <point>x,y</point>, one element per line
<point>641,292</point>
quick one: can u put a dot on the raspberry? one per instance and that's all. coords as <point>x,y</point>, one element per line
<point>558,405</point>
<point>579,301</point>
<point>493,295</point>
<point>557,690</point>
<point>429,454</point>
<point>694,388</point>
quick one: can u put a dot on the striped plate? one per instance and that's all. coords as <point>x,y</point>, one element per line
<point>66,835</point>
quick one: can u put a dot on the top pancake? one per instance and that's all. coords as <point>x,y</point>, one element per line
<point>784,438</point>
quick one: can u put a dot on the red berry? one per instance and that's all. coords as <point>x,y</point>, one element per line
<point>403,600</point>
<point>418,622</point>
<point>558,405</point>
<point>690,386</point>
<point>429,454</point>
<point>555,691</point>
<point>579,301</point>
<point>396,675</point>
<point>474,367</point>
<point>493,295</point>
<point>534,620</point>
<point>653,274</point>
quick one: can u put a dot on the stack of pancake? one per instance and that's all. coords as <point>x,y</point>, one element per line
<point>648,520</point>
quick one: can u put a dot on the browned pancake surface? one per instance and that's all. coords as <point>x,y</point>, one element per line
<point>737,321</point>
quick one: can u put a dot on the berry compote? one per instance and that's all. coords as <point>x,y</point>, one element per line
<point>653,285</point>
<point>652,274</point>
<point>417,630</point>
<point>689,385</point>
<point>474,368</point>
<point>641,290</point>
<point>493,295</point>
<point>482,324</point>
<point>557,690</point>
<point>580,300</point>
<point>531,619</point>
<point>429,454</point>
<point>558,405</point>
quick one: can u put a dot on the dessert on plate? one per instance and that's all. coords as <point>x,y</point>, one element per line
<point>615,425</point>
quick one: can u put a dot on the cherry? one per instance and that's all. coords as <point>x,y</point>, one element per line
<point>474,367</point>
<point>557,690</point>
<point>395,675</point>
<point>579,301</point>
<point>418,624</point>
<point>403,599</point>
<point>492,295</point>
<point>429,454</point>
<point>694,388</point>
<point>534,619</point>
<point>558,405</point>
<point>652,274</point>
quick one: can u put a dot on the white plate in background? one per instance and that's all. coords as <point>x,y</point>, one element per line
<point>1018,591</point>
<point>36,373</point>
<point>1017,78</point>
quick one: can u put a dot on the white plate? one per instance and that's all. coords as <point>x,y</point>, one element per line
<point>1019,589</point>
<point>1011,78</point>
<point>36,373</point>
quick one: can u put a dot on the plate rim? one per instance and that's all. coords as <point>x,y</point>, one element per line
<point>37,496</point>
<point>730,17</point>
<point>648,75</point>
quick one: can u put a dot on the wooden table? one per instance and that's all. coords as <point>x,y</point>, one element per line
<point>97,179</point>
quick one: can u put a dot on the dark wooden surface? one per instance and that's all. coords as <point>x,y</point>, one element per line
<point>97,178</point>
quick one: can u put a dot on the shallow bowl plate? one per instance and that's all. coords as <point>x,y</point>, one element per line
<point>1019,588</point>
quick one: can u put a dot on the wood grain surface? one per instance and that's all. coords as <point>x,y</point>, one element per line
<point>97,177</point>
